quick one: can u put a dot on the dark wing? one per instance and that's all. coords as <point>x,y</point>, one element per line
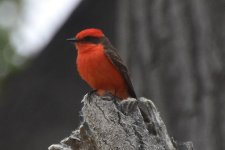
<point>114,57</point>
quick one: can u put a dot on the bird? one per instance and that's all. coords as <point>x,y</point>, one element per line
<point>99,64</point>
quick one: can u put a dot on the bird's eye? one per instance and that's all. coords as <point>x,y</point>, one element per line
<point>91,39</point>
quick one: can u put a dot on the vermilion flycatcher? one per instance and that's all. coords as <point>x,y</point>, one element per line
<point>99,64</point>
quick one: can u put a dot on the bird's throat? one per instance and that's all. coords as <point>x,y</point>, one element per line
<point>87,47</point>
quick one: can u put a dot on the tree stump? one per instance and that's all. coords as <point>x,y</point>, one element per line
<point>110,124</point>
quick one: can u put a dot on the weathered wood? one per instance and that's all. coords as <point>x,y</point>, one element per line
<point>112,124</point>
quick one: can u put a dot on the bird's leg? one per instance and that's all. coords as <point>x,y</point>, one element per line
<point>90,94</point>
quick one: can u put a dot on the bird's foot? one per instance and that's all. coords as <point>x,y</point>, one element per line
<point>108,96</point>
<point>128,106</point>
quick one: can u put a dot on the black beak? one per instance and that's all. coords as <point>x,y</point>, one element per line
<point>73,40</point>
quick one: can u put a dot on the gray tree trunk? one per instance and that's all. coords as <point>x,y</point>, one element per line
<point>175,50</point>
<point>109,124</point>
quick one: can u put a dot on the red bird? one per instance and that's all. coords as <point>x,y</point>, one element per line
<point>99,64</point>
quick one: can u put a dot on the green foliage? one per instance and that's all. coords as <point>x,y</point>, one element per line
<point>8,21</point>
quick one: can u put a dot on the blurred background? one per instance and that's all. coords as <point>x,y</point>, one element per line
<point>174,50</point>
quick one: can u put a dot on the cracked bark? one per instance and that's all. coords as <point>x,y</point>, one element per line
<point>111,124</point>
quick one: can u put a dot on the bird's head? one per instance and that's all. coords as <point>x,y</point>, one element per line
<point>87,38</point>
<point>91,32</point>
